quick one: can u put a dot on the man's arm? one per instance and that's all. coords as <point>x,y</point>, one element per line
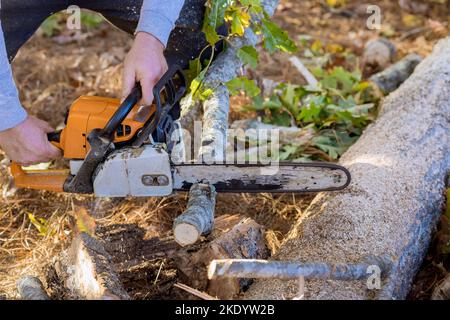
<point>11,111</point>
<point>145,63</point>
<point>23,138</point>
<point>158,18</point>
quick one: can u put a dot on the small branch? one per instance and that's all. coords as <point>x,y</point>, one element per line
<point>309,77</point>
<point>195,292</point>
<point>198,219</point>
<point>263,269</point>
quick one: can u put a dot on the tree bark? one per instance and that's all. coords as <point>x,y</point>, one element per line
<point>398,170</point>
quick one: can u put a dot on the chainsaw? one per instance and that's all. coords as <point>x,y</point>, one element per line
<point>119,149</point>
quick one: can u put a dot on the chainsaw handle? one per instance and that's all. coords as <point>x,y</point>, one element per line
<point>50,180</point>
<point>124,109</point>
<point>171,89</point>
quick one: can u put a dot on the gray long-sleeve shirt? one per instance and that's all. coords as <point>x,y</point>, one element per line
<point>157,17</point>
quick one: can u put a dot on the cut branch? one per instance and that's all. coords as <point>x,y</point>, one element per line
<point>198,219</point>
<point>263,269</point>
<point>309,77</point>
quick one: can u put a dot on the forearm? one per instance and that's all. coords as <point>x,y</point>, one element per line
<point>11,111</point>
<point>159,17</point>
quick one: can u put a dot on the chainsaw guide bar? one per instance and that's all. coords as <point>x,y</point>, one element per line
<point>280,177</point>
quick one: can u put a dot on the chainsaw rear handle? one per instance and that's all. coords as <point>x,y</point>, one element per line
<point>51,180</point>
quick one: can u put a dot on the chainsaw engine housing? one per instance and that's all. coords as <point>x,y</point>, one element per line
<point>138,172</point>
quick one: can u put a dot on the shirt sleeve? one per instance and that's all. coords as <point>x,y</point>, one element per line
<point>11,111</point>
<point>159,17</point>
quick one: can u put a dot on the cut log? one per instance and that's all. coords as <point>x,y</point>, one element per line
<point>117,262</point>
<point>85,271</point>
<point>398,170</point>
<point>198,219</point>
<point>377,55</point>
<point>244,240</point>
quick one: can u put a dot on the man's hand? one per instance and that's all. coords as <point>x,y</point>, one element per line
<point>27,143</point>
<point>145,63</point>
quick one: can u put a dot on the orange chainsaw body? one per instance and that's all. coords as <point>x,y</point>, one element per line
<point>85,114</point>
<point>105,120</point>
<point>88,113</point>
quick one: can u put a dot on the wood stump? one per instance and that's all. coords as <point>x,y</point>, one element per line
<point>118,262</point>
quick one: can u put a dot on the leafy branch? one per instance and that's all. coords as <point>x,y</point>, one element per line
<point>237,16</point>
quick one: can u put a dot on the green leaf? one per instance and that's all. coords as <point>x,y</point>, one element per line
<point>328,145</point>
<point>51,25</point>
<point>334,143</point>
<point>91,20</point>
<point>256,105</point>
<point>214,18</point>
<point>243,84</point>
<point>196,84</point>
<point>248,55</point>
<point>282,118</point>
<point>194,70</point>
<point>287,151</point>
<point>276,38</point>
<point>41,224</point>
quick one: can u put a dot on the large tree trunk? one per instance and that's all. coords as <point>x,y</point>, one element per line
<point>398,168</point>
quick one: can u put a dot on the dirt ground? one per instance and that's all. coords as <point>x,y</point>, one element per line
<point>53,72</point>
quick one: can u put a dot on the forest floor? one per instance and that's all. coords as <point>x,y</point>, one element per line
<point>51,72</point>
